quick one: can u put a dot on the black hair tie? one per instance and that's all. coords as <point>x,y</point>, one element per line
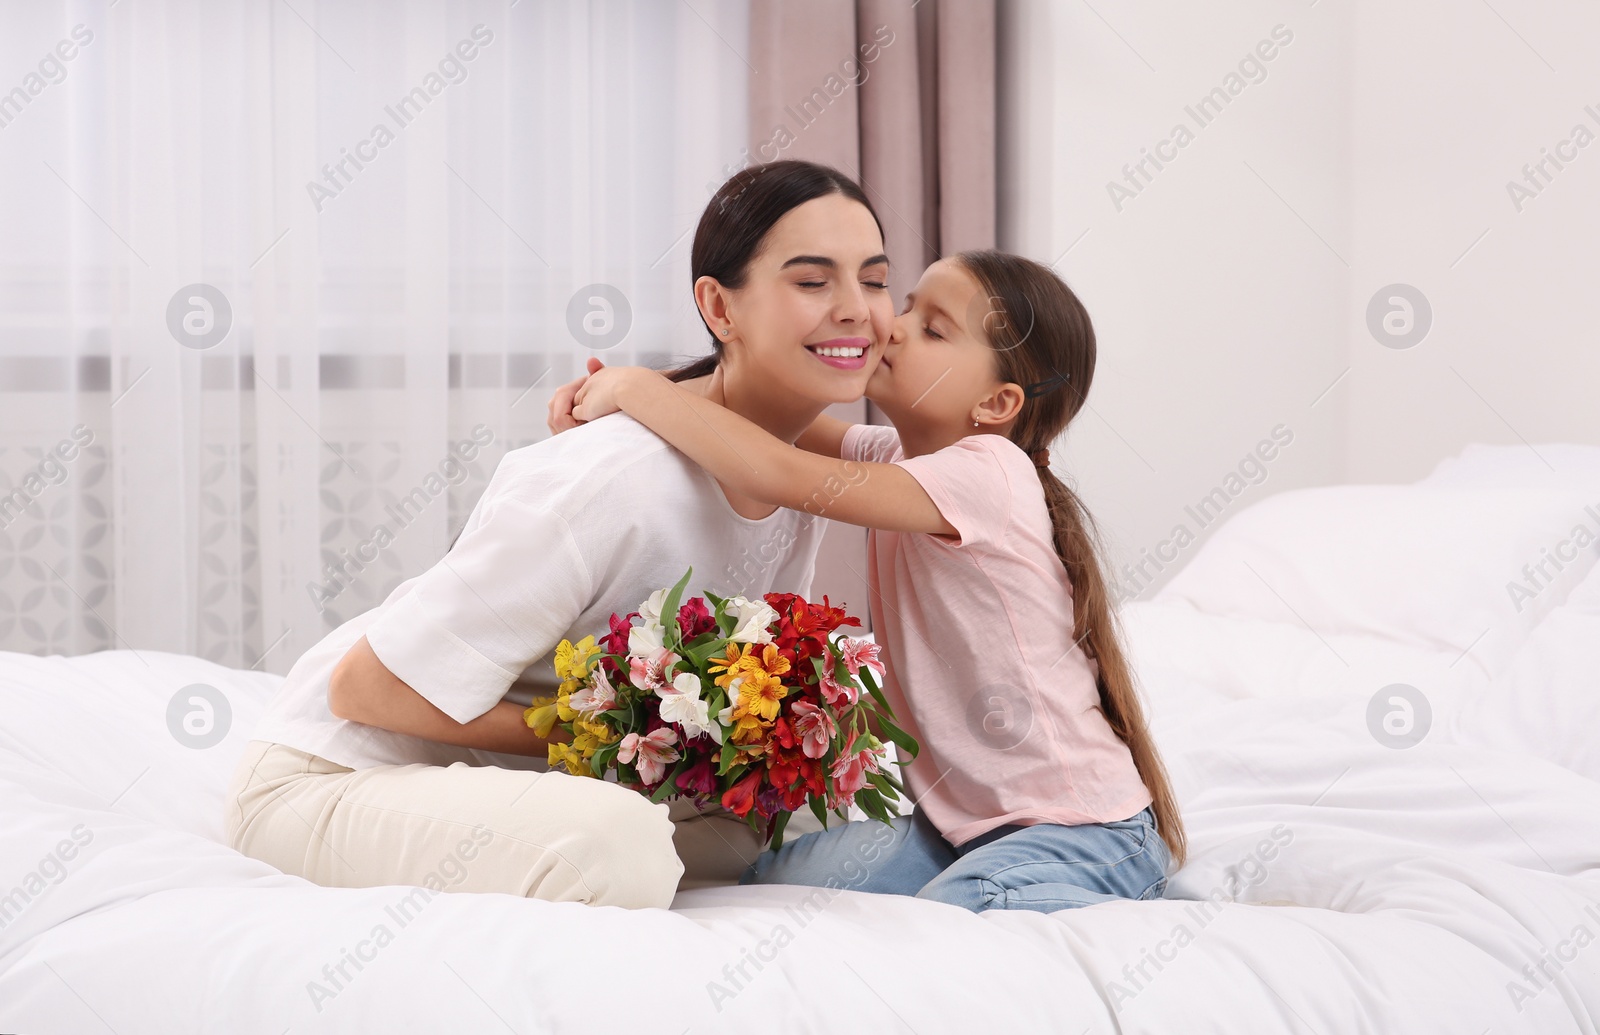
<point>1039,388</point>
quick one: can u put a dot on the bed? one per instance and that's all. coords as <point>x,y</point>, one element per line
<point>1385,753</point>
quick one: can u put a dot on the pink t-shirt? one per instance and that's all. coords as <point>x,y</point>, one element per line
<point>982,667</point>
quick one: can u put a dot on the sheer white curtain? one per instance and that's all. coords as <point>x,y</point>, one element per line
<point>391,208</point>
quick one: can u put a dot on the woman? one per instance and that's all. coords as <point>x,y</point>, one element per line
<point>397,743</point>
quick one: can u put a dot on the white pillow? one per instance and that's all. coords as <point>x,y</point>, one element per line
<point>1547,700</point>
<point>1546,465</point>
<point>1427,565</point>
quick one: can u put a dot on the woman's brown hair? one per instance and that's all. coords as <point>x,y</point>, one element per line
<point>1042,338</point>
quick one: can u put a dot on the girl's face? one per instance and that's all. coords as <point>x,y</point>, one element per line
<point>938,363</point>
<point>814,313</point>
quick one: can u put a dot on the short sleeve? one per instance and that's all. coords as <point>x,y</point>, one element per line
<point>967,481</point>
<point>873,443</point>
<point>500,599</point>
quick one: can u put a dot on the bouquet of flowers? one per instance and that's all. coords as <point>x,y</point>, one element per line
<point>756,705</point>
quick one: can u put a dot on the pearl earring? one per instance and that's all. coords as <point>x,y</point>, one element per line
<point>974,423</point>
<point>726,331</point>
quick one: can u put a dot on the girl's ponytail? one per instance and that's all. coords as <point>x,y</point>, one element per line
<point>1042,338</point>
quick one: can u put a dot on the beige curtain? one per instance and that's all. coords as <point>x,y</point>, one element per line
<point>902,96</point>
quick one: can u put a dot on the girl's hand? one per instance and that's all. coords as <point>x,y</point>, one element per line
<point>597,396</point>
<point>560,416</point>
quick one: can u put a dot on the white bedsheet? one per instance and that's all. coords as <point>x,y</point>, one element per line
<point>1335,885</point>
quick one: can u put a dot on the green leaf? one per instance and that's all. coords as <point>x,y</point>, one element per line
<point>865,675</point>
<point>699,655</point>
<point>886,782</point>
<point>903,740</point>
<point>729,750</point>
<point>669,785</point>
<point>672,636</point>
<point>603,758</point>
<point>777,829</point>
<point>819,810</point>
<point>880,781</point>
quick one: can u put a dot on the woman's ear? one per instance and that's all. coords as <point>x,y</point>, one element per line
<point>713,299</point>
<point>1004,404</point>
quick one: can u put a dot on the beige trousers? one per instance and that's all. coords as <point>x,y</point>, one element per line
<point>547,835</point>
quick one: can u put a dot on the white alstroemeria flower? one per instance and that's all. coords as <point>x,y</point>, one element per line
<point>681,703</point>
<point>751,619</point>
<point>644,640</point>
<point>650,610</point>
<point>685,683</point>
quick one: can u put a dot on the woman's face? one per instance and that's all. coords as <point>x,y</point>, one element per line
<point>814,313</point>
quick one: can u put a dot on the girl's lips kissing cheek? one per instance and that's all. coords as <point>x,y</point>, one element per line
<point>841,353</point>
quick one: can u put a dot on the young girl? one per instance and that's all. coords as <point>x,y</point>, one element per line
<point>1038,785</point>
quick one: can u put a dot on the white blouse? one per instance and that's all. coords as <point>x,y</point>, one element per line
<point>568,531</point>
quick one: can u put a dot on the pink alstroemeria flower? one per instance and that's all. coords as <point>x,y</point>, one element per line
<point>655,752</point>
<point>595,698</point>
<point>840,695</point>
<point>816,728</point>
<point>856,653</point>
<point>850,770</point>
<point>649,672</point>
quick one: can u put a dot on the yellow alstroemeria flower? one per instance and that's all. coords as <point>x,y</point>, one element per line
<point>572,661</point>
<point>731,664</point>
<point>564,755</point>
<point>590,737</point>
<point>602,730</point>
<point>747,729</point>
<point>760,694</point>
<point>541,715</point>
<point>564,706</point>
<point>756,659</point>
<point>771,661</point>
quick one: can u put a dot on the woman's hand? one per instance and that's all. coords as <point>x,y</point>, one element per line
<point>560,416</point>
<point>597,396</point>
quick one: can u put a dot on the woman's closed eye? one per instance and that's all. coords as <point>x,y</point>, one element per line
<point>874,284</point>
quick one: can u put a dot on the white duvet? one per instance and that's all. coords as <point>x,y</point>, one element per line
<point>1336,884</point>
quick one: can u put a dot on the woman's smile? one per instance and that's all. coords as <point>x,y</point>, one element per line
<point>843,353</point>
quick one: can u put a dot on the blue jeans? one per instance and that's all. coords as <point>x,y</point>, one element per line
<point>1043,867</point>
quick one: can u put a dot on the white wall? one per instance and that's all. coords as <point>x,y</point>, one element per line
<point>1230,291</point>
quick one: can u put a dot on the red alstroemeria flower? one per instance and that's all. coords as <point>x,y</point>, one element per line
<point>621,625</point>
<point>698,779</point>
<point>694,618</point>
<point>741,797</point>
